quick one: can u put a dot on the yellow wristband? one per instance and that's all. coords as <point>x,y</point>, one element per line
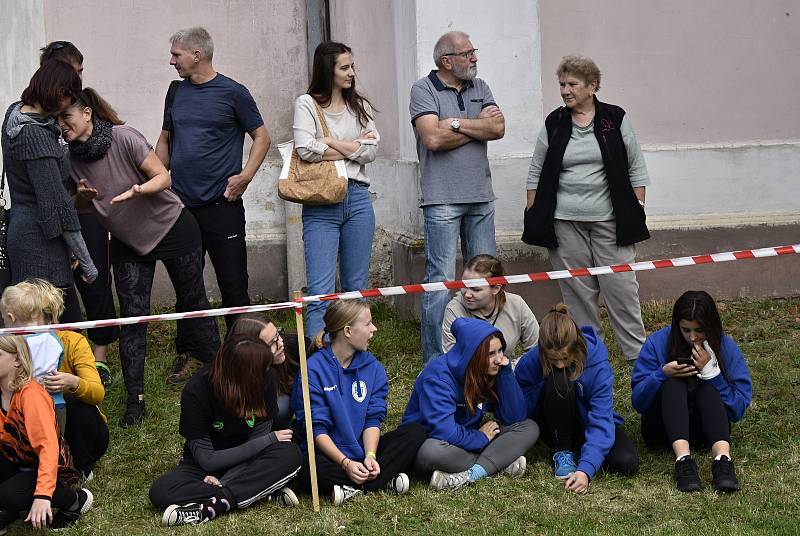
<point>370,454</point>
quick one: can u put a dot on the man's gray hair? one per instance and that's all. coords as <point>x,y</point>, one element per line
<point>195,38</point>
<point>446,44</point>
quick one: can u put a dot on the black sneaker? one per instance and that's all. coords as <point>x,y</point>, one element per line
<point>134,413</point>
<point>64,518</point>
<point>724,475</point>
<point>104,372</point>
<point>686,478</point>
<point>189,514</point>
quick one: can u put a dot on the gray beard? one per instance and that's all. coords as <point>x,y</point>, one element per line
<point>466,74</point>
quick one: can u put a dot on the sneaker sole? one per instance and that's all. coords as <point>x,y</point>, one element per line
<point>521,468</point>
<point>290,500</point>
<point>167,520</point>
<point>401,483</point>
<point>89,501</point>
<point>435,483</point>
<point>565,476</point>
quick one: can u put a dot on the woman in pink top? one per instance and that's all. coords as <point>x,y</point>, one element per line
<point>127,186</point>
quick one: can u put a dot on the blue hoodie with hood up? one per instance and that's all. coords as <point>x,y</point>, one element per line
<point>437,401</point>
<point>344,401</point>
<point>594,394</point>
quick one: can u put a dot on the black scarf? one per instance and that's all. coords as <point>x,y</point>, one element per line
<point>629,215</point>
<point>96,146</point>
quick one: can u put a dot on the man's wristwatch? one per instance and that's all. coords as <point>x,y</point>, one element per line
<point>455,124</point>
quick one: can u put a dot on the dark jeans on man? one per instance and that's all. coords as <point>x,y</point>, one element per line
<point>197,337</point>
<point>687,409</point>
<point>396,453</point>
<point>98,300</point>
<point>222,226</point>
<point>560,424</point>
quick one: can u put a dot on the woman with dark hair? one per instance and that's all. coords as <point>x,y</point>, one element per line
<point>118,174</point>
<point>689,383</point>
<point>506,311</point>
<point>586,192</point>
<point>451,397</point>
<point>568,385</point>
<point>344,230</point>
<point>232,457</point>
<point>43,229</point>
<point>348,387</point>
<point>97,298</point>
<point>286,361</point>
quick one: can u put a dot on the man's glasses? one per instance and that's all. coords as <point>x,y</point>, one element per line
<point>466,54</point>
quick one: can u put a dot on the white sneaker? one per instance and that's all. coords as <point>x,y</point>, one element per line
<point>517,467</point>
<point>283,497</point>
<point>399,484</point>
<point>441,480</point>
<point>342,494</point>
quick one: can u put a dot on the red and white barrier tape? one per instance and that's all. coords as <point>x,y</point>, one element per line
<point>433,287</point>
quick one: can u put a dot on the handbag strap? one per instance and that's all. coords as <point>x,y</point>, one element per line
<point>321,115</point>
<point>3,185</point>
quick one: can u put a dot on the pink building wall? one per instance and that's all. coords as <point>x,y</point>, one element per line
<point>687,72</point>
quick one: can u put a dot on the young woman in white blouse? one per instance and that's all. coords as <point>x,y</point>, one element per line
<point>345,229</point>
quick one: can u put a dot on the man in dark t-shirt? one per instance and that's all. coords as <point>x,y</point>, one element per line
<point>205,118</point>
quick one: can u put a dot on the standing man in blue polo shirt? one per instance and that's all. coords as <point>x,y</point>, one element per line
<point>454,114</point>
<point>205,118</point>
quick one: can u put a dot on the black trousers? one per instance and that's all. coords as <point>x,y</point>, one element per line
<point>196,336</point>
<point>86,434</point>
<point>686,409</point>
<point>17,486</point>
<point>98,300</point>
<point>396,453</point>
<point>561,429</point>
<point>222,227</point>
<point>72,306</point>
<point>242,484</point>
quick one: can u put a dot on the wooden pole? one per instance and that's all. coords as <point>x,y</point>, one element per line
<point>312,460</point>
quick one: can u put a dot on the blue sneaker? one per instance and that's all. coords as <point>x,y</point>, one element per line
<point>564,464</point>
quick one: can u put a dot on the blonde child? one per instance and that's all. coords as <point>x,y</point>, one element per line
<point>64,366</point>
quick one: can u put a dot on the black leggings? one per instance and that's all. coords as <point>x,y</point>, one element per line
<point>86,434</point>
<point>196,336</point>
<point>686,409</point>
<point>242,484</point>
<point>561,428</point>
<point>17,486</point>
<point>396,453</point>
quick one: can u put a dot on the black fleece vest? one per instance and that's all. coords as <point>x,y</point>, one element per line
<point>629,215</point>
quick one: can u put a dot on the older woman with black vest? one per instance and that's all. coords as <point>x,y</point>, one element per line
<point>586,191</point>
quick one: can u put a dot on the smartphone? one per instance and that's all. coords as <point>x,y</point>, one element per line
<point>685,361</point>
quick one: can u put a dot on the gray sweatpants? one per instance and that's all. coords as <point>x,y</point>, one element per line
<point>511,443</point>
<point>583,244</point>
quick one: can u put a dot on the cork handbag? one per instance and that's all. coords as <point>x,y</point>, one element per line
<point>311,183</point>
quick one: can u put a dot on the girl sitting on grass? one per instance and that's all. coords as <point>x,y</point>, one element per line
<point>232,457</point>
<point>568,384</point>
<point>348,387</point>
<point>451,397</point>
<point>64,365</point>
<point>31,453</point>
<point>689,383</point>
<point>284,348</point>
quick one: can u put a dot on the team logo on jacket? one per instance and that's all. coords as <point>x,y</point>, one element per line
<point>359,391</point>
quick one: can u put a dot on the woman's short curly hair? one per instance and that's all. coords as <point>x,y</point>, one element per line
<point>582,67</point>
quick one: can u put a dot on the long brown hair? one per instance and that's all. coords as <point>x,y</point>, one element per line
<point>251,325</point>
<point>489,266</point>
<point>321,85</point>
<point>478,385</point>
<point>101,109</point>
<point>238,374</point>
<point>560,339</point>
<point>338,316</point>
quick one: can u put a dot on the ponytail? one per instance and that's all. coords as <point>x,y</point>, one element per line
<point>101,109</point>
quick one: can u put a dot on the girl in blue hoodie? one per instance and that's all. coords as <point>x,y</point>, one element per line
<point>689,383</point>
<point>568,383</point>
<point>348,388</point>
<point>451,397</point>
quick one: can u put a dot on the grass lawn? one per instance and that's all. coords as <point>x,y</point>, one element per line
<point>766,455</point>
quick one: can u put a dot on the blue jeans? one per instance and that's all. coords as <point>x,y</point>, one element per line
<point>474,223</point>
<point>344,230</point>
